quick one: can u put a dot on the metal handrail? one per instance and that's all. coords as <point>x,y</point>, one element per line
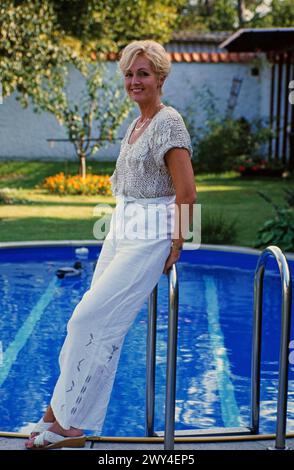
<point>171,360</point>
<point>284,343</point>
<point>256,351</point>
<point>170,400</point>
<point>150,362</point>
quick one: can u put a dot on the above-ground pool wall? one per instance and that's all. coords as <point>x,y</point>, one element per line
<point>24,134</point>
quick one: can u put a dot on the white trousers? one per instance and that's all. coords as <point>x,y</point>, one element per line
<point>125,274</point>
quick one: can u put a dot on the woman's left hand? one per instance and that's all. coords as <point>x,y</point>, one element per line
<point>172,259</point>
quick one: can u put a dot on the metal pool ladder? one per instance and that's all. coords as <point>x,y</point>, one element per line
<point>256,353</point>
<point>171,360</point>
<point>284,343</point>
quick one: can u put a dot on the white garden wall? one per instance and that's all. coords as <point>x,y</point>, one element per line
<point>24,134</point>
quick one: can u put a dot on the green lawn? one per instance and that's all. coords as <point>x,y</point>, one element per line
<point>42,216</point>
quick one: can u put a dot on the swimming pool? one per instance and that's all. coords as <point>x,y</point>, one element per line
<point>214,340</point>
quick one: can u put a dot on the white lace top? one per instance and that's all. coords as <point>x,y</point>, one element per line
<point>140,170</point>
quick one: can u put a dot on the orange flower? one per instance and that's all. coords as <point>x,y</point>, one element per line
<point>91,185</point>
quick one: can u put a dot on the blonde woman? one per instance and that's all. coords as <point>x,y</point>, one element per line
<point>153,170</point>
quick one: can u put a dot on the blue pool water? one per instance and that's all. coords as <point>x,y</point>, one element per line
<point>214,341</point>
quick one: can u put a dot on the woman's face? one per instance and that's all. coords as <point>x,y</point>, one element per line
<point>141,83</point>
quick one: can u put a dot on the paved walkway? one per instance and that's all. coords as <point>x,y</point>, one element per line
<point>17,443</point>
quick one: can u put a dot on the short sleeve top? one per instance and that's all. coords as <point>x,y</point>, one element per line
<point>141,171</point>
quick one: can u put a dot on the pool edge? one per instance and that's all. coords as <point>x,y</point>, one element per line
<point>187,246</point>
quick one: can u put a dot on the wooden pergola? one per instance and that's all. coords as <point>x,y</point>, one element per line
<point>278,45</point>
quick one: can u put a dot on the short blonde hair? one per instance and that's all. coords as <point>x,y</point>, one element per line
<point>154,51</point>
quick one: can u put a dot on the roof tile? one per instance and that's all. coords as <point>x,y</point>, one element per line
<point>177,57</point>
<point>195,57</point>
<point>187,57</point>
<point>205,56</point>
<point>200,57</point>
<point>214,57</point>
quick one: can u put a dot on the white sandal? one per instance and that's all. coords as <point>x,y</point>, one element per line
<point>40,427</point>
<point>56,441</point>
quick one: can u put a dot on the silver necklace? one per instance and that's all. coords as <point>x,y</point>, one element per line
<point>144,122</point>
<point>142,125</point>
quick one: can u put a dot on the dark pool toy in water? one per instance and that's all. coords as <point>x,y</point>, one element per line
<point>69,271</point>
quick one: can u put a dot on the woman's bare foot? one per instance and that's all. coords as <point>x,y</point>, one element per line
<point>47,418</point>
<point>57,429</point>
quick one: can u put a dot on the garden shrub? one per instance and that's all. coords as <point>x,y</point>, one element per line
<point>258,166</point>
<point>226,140</point>
<point>218,229</point>
<point>67,184</point>
<point>278,230</point>
<point>218,140</point>
<point>289,197</point>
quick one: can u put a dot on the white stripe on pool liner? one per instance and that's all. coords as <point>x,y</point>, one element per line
<point>1,354</point>
<point>11,353</point>
<point>229,408</point>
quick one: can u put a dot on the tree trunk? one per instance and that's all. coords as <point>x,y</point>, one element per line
<point>82,167</point>
<point>209,4</point>
<point>241,12</point>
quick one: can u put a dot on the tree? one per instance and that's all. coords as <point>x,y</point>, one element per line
<point>38,37</point>
<point>35,64</point>
<point>30,50</point>
<point>41,39</point>
<point>208,15</point>
<point>223,16</point>
<point>96,115</point>
<point>241,11</point>
<point>108,25</point>
<point>282,13</point>
<point>228,15</point>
